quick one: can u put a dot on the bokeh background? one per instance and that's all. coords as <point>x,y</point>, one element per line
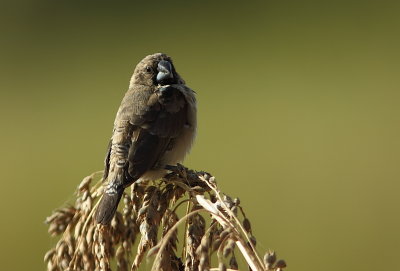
<point>299,112</point>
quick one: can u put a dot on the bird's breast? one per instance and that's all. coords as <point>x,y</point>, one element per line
<point>183,143</point>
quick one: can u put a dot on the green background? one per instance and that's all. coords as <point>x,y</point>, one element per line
<point>299,112</point>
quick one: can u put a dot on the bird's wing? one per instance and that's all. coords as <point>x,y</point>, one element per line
<point>154,121</point>
<point>107,160</point>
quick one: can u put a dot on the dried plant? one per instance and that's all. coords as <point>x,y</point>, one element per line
<point>215,227</point>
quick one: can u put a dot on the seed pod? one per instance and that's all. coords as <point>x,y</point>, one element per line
<point>225,233</point>
<point>78,228</point>
<point>212,180</point>
<point>227,251</point>
<point>204,244</point>
<point>230,245</point>
<point>228,201</point>
<point>233,263</point>
<point>61,248</point>
<point>269,259</point>
<point>49,254</point>
<point>51,266</point>
<point>216,244</point>
<point>84,185</point>
<point>246,225</point>
<point>206,176</point>
<point>213,198</point>
<point>253,240</point>
<point>280,264</point>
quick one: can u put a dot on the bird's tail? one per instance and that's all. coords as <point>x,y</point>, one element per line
<point>108,206</point>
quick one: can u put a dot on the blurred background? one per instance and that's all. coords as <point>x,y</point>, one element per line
<point>299,112</point>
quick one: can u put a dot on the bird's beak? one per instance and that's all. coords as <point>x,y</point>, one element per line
<point>164,71</point>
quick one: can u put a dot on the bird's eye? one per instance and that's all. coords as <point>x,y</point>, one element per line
<point>149,69</point>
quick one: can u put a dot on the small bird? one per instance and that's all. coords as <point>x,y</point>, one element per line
<point>155,126</point>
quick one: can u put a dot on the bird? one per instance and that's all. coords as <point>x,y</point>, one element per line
<point>155,126</point>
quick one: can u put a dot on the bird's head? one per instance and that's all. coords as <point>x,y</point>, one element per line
<point>156,69</point>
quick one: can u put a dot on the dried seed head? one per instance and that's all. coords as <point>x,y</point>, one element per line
<point>247,225</point>
<point>229,246</point>
<point>84,245</point>
<point>60,219</point>
<point>49,254</point>
<point>212,180</point>
<point>269,259</point>
<point>217,244</point>
<point>225,233</point>
<point>253,240</point>
<point>233,263</point>
<point>280,264</point>
<point>84,185</point>
<point>51,266</point>
<point>228,201</point>
<point>213,198</point>
<point>227,251</point>
<point>206,176</point>
<point>205,241</point>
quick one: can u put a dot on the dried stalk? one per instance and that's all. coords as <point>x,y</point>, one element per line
<point>148,214</point>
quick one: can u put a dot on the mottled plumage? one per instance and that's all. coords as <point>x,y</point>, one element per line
<point>154,127</point>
